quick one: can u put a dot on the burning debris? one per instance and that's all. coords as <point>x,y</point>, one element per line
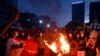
<point>59,46</point>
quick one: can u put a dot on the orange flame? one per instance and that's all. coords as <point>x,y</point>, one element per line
<point>64,44</point>
<point>63,48</point>
<point>52,46</point>
<point>59,54</point>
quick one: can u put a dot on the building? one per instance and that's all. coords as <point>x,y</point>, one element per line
<point>95,12</point>
<point>78,12</point>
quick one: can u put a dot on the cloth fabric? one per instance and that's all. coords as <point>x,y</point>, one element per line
<point>30,48</point>
<point>10,51</point>
<point>81,44</point>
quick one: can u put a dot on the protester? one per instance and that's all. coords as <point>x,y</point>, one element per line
<point>72,43</point>
<point>22,35</point>
<point>91,43</point>
<point>81,44</point>
<point>13,45</point>
<point>41,45</point>
<point>31,46</point>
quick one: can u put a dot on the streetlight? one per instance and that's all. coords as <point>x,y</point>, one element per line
<point>48,25</point>
<point>40,21</point>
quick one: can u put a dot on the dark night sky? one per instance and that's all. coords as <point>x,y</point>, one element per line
<point>58,10</point>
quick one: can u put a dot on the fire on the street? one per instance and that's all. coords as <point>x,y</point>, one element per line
<point>53,46</point>
<point>60,47</point>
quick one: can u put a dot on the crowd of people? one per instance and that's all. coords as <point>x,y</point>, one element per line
<point>21,43</point>
<point>86,44</point>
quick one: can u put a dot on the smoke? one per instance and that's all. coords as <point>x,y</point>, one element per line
<point>46,6</point>
<point>57,10</point>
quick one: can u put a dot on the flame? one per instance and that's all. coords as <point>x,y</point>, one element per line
<point>61,47</point>
<point>52,46</point>
<point>59,54</point>
<point>64,44</point>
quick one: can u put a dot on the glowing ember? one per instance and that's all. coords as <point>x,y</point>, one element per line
<point>61,47</point>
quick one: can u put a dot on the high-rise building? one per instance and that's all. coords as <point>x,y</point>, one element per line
<point>95,12</point>
<point>78,11</point>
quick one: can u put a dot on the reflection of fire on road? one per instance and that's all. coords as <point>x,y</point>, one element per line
<point>60,47</point>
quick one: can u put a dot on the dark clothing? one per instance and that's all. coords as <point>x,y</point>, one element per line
<point>72,42</point>
<point>81,43</point>
<point>91,52</point>
<point>40,52</point>
<point>98,42</point>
